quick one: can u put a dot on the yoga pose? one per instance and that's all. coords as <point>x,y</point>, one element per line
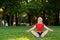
<point>39,27</point>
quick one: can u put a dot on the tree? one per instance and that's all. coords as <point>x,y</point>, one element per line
<point>33,8</point>
<point>55,4</point>
<point>10,8</point>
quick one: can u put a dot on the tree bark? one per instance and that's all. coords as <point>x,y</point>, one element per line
<point>29,19</point>
<point>56,17</point>
<point>43,16</point>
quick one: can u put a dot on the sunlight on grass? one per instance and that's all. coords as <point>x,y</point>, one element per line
<point>21,38</point>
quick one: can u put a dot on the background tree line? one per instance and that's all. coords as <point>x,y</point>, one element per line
<point>27,11</point>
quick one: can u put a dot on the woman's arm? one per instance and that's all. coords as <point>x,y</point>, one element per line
<point>31,28</point>
<point>47,28</point>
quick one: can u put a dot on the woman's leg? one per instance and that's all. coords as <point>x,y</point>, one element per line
<point>34,33</point>
<point>44,33</point>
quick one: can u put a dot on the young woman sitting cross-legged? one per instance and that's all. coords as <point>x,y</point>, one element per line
<point>39,26</point>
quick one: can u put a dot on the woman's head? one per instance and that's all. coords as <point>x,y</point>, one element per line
<point>40,19</point>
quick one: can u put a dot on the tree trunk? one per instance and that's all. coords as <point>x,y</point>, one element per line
<point>43,16</point>
<point>29,19</point>
<point>8,19</point>
<point>16,20</point>
<point>56,17</point>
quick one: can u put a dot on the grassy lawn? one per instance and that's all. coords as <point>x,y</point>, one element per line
<point>19,33</point>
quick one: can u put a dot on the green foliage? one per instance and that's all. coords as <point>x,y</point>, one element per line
<point>55,4</point>
<point>33,7</point>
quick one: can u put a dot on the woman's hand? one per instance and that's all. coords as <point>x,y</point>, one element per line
<point>31,29</point>
<point>51,30</point>
<point>28,30</point>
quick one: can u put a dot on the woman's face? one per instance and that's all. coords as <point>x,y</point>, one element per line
<point>40,19</point>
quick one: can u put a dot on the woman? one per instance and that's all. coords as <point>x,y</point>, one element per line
<point>39,26</point>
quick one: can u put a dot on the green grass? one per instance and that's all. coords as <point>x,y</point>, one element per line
<point>7,33</point>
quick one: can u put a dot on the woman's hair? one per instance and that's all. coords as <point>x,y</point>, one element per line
<point>39,17</point>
